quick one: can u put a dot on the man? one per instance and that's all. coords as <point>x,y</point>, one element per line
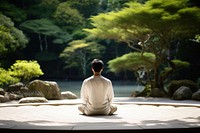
<point>97,93</point>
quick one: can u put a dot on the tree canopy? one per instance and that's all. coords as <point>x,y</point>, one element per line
<point>164,28</point>
<point>149,27</point>
<point>11,37</point>
<point>80,52</point>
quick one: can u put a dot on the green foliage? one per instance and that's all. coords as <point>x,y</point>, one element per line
<point>62,37</point>
<point>41,8</point>
<point>41,26</point>
<point>11,37</point>
<point>80,52</point>
<point>146,92</point>
<point>25,70</point>
<point>165,19</point>
<point>65,15</point>
<point>197,38</point>
<point>115,5</point>
<point>148,27</point>
<point>45,28</point>
<point>132,61</point>
<point>6,78</point>
<point>81,48</point>
<point>85,7</point>
<point>175,84</point>
<point>46,56</point>
<point>175,65</point>
<point>47,7</point>
<point>5,39</point>
<point>178,64</point>
<point>145,25</point>
<point>10,10</point>
<point>79,34</point>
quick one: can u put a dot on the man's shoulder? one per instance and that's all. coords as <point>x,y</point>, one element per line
<point>105,78</point>
<point>87,79</point>
<point>91,78</point>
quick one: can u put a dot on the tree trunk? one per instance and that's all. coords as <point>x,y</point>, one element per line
<point>156,79</point>
<point>45,41</point>
<point>40,40</point>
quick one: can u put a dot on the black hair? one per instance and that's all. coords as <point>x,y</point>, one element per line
<point>97,65</point>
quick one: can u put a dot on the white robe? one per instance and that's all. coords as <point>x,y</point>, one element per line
<point>97,95</point>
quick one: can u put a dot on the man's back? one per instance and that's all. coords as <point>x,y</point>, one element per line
<point>97,94</point>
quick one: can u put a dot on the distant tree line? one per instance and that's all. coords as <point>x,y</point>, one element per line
<point>53,33</point>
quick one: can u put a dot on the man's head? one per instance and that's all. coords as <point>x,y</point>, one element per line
<point>97,65</point>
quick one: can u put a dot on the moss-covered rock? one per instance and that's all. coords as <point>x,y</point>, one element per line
<point>49,89</point>
<point>182,93</point>
<point>175,84</point>
<point>2,91</point>
<point>15,87</point>
<point>196,96</point>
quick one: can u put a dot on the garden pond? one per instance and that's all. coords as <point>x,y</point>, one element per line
<point>121,88</point>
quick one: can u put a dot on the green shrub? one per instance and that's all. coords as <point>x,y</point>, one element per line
<point>175,84</point>
<point>6,78</point>
<point>21,71</point>
<point>25,70</point>
<point>146,92</point>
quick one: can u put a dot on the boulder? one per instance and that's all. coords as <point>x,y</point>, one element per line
<point>12,96</point>
<point>176,84</point>
<point>2,99</point>
<point>196,95</point>
<point>183,93</point>
<point>68,95</point>
<point>33,100</point>
<point>2,92</point>
<point>15,87</point>
<point>49,89</point>
<point>31,93</point>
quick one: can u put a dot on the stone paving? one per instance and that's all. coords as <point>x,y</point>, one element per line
<point>133,114</point>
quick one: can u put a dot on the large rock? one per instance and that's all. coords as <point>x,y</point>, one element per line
<point>183,93</point>
<point>49,89</point>
<point>68,95</point>
<point>2,92</point>
<point>33,100</point>
<point>31,93</point>
<point>2,99</point>
<point>15,87</point>
<point>176,84</point>
<point>196,95</point>
<point>13,96</point>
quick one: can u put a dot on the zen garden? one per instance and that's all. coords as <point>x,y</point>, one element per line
<point>152,43</point>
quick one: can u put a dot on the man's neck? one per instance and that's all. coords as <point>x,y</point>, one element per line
<point>97,74</point>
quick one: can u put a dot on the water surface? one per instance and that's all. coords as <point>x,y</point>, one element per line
<point>121,88</point>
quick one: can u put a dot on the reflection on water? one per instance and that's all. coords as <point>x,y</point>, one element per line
<point>121,88</point>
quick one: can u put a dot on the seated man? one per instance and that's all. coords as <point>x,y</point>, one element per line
<point>97,93</point>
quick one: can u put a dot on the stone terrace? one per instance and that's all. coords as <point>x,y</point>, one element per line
<point>133,115</point>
